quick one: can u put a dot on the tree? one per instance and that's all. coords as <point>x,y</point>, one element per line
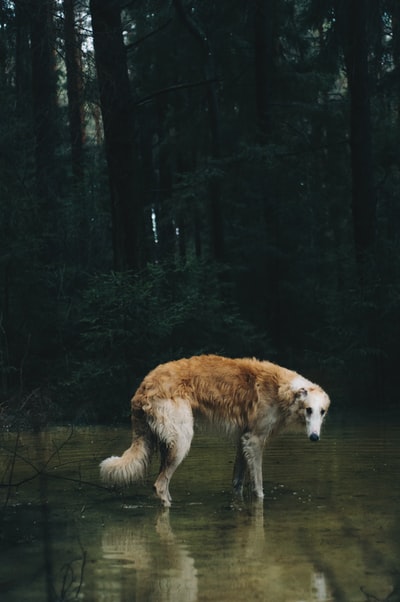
<point>73,61</point>
<point>44,98</point>
<point>363,193</point>
<point>207,54</point>
<point>395,14</point>
<point>118,121</point>
<point>22,56</point>
<point>264,55</point>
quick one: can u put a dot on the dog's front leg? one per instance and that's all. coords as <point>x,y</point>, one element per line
<point>253,447</point>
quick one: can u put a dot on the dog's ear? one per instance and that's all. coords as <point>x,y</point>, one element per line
<point>292,393</point>
<point>300,394</point>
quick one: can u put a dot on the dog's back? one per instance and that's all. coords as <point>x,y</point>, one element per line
<point>220,388</point>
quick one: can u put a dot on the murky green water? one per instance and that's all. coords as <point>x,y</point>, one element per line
<point>328,529</point>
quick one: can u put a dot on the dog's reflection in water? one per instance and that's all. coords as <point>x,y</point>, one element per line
<point>143,559</point>
<point>146,563</point>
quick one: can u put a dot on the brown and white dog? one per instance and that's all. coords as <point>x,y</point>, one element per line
<point>254,399</point>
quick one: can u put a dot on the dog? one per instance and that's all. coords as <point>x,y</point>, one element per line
<point>250,398</point>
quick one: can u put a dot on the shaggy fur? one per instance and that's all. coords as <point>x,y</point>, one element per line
<point>252,398</point>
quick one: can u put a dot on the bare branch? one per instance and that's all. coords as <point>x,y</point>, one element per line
<point>174,88</point>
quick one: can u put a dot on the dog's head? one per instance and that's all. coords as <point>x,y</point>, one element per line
<point>309,406</point>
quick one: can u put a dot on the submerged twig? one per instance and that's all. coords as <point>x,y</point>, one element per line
<point>39,471</point>
<point>11,473</point>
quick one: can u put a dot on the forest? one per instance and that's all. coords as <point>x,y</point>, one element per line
<point>181,177</point>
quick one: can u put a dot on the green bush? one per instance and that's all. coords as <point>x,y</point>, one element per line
<point>128,323</point>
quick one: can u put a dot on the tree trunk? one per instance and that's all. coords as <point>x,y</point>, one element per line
<point>216,221</point>
<point>22,57</point>
<point>74,90</point>
<point>163,161</point>
<point>44,94</point>
<point>396,49</point>
<point>117,113</point>
<point>264,64</point>
<point>363,195</point>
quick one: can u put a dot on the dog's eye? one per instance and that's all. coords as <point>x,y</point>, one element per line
<point>309,411</point>
<point>323,412</point>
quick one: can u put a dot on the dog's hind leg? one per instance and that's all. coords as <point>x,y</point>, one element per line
<point>173,424</point>
<point>239,469</point>
<point>161,486</point>
<point>253,446</point>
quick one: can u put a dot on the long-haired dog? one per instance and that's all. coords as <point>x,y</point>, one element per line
<point>254,399</point>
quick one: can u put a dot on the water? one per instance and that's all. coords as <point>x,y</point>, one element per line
<point>328,529</point>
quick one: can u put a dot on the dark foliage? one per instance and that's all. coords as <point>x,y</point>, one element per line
<point>223,178</point>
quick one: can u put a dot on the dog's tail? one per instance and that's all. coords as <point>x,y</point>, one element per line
<point>133,463</point>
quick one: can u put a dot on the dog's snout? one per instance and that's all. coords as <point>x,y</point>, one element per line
<point>314,437</point>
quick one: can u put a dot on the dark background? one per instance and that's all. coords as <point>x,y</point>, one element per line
<point>191,177</point>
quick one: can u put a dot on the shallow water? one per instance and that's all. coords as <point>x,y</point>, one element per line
<point>328,529</point>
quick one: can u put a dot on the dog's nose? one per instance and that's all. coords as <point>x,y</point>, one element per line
<point>314,437</point>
